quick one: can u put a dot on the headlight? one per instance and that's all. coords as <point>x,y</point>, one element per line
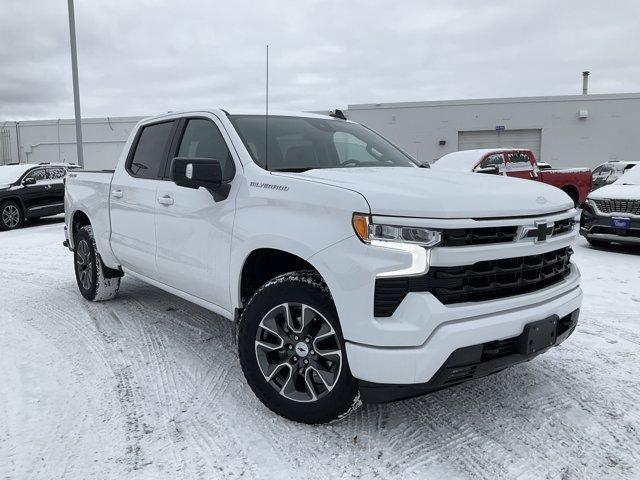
<point>368,232</point>
<point>411,240</point>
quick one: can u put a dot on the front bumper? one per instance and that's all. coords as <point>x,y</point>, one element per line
<point>417,365</point>
<point>480,360</point>
<point>597,226</point>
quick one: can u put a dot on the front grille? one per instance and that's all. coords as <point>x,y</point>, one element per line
<point>563,226</point>
<point>619,206</point>
<point>460,237</point>
<point>477,236</point>
<point>481,281</point>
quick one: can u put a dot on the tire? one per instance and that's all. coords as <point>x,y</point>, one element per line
<point>11,216</point>
<point>280,367</point>
<point>598,243</point>
<point>92,282</point>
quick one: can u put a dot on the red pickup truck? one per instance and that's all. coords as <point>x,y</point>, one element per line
<point>520,163</point>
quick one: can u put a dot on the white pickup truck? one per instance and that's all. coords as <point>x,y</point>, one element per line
<point>352,274</point>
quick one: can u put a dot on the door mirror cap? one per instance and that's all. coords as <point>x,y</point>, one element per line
<point>196,172</point>
<point>29,181</point>
<point>491,170</point>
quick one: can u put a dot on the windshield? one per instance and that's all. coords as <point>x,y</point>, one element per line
<point>300,143</point>
<point>630,177</point>
<point>11,173</point>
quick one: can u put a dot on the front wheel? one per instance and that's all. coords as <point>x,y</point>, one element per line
<point>92,282</point>
<point>10,215</point>
<point>292,351</point>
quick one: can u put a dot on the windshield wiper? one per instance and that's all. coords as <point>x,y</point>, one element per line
<point>293,169</point>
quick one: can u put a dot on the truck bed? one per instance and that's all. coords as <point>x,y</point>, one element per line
<point>89,192</point>
<point>569,178</point>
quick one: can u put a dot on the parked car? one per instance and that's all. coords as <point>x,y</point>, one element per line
<point>612,213</point>
<point>519,163</point>
<point>609,172</point>
<point>351,273</point>
<point>30,191</point>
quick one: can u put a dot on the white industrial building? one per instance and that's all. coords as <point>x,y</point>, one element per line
<point>565,131</point>
<point>37,141</point>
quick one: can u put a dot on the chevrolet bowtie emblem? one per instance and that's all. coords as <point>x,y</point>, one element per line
<point>539,232</point>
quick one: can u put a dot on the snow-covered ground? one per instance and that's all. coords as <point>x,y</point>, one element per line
<point>148,386</point>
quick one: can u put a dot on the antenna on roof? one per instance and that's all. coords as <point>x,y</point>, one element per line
<point>266,117</point>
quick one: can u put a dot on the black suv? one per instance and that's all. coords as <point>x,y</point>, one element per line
<point>29,191</point>
<point>609,172</point>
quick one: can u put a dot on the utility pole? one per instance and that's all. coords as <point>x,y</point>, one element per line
<point>76,90</point>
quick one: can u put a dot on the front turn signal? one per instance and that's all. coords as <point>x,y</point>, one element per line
<point>360,224</point>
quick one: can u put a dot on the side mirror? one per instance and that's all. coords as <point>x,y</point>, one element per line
<point>29,181</point>
<point>196,173</point>
<point>491,170</point>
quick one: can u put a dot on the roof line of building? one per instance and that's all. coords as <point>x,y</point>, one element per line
<point>68,121</point>
<point>486,101</point>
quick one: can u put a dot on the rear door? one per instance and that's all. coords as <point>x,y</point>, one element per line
<point>520,164</point>
<point>133,199</point>
<point>194,229</point>
<point>55,177</point>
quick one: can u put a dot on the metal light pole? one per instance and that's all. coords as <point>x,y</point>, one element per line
<point>76,90</point>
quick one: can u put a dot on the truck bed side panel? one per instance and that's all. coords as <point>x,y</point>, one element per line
<point>89,192</point>
<point>578,178</point>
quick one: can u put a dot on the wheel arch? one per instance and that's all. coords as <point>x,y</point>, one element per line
<point>263,264</point>
<point>78,219</point>
<point>573,192</point>
<point>16,199</point>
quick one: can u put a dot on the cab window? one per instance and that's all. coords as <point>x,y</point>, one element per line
<point>203,139</point>
<point>39,174</point>
<point>518,157</point>
<point>150,150</point>
<point>56,173</point>
<point>496,159</point>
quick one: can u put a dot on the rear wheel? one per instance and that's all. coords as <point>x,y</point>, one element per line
<point>292,351</point>
<point>10,215</point>
<point>90,276</point>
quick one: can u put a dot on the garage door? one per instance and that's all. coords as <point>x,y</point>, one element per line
<point>471,140</point>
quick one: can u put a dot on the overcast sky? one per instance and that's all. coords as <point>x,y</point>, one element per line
<point>143,57</point>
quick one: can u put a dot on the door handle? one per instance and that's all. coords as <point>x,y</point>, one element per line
<point>47,187</point>
<point>166,200</point>
<point>116,193</point>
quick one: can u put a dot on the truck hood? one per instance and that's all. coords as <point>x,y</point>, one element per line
<point>423,192</point>
<point>617,191</point>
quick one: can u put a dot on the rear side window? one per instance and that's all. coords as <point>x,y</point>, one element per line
<point>203,139</point>
<point>56,173</point>
<point>519,157</point>
<point>150,150</point>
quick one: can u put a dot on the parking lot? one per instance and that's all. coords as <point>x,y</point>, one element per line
<point>149,386</point>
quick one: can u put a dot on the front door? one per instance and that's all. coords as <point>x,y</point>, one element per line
<point>133,199</point>
<point>192,228</point>
<point>36,196</point>
<point>493,160</point>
